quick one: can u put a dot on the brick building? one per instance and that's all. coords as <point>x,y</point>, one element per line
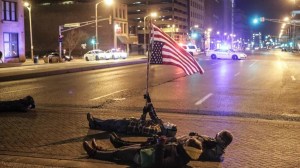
<point>12,39</point>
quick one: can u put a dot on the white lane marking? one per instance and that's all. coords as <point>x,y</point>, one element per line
<point>291,115</point>
<point>107,95</point>
<point>119,99</point>
<point>21,90</point>
<point>293,78</point>
<point>237,74</point>
<point>252,64</point>
<point>203,99</point>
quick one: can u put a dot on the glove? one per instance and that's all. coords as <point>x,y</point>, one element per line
<point>193,134</point>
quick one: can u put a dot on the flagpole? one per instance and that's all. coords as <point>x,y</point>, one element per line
<point>149,55</point>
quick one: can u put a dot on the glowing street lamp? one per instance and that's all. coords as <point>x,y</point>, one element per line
<point>108,3</point>
<point>152,15</point>
<point>28,6</point>
<point>286,19</point>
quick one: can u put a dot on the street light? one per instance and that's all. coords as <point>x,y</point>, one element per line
<point>108,3</point>
<point>208,37</point>
<point>152,15</point>
<point>286,19</point>
<point>28,6</point>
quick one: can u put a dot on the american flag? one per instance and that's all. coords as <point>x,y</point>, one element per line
<point>166,51</point>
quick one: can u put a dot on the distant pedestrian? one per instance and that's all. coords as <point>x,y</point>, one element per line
<point>21,105</point>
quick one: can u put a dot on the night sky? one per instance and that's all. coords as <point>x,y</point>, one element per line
<point>273,9</point>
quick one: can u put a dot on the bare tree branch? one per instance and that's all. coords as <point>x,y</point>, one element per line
<point>73,38</point>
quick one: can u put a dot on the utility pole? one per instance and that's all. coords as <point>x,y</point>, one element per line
<point>232,22</point>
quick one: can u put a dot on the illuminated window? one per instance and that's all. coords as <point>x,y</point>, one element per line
<point>9,12</point>
<point>10,41</point>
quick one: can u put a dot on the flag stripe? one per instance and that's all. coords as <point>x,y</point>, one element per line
<point>175,51</point>
<point>168,54</point>
<point>158,34</point>
<point>166,51</point>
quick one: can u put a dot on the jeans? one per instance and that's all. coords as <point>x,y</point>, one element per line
<point>124,154</point>
<point>111,125</point>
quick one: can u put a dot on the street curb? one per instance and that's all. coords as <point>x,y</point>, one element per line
<point>68,70</point>
<point>28,161</point>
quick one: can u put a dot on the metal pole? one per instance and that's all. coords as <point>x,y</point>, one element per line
<point>145,48</point>
<point>30,27</point>
<point>148,61</point>
<point>232,23</point>
<point>96,21</point>
<point>60,42</point>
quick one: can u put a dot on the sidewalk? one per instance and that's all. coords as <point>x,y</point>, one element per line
<point>15,71</point>
<point>54,136</point>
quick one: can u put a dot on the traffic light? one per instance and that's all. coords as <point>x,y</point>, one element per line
<point>93,41</point>
<point>255,21</point>
<point>60,38</point>
<point>194,35</point>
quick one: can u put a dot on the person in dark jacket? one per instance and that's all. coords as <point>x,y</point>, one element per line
<point>135,126</point>
<point>21,105</point>
<point>162,155</point>
<point>213,148</point>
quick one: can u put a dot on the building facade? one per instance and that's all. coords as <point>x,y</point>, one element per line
<point>12,38</point>
<point>47,16</point>
<point>196,22</point>
<point>173,18</point>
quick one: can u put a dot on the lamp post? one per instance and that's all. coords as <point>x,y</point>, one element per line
<point>208,37</point>
<point>28,6</point>
<point>107,2</point>
<point>152,15</point>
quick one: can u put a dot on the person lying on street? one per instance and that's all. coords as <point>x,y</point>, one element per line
<point>213,148</point>
<point>20,105</point>
<point>160,155</point>
<point>135,126</point>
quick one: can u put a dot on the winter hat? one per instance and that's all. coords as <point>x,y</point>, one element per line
<point>225,136</point>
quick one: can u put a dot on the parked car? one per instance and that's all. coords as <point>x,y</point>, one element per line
<point>192,49</point>
<point>226,54</point>
<point>116,54</point>
<point>95,55</point>
<point>52,57</point>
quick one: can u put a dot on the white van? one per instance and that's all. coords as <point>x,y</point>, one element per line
<point>192,49</point>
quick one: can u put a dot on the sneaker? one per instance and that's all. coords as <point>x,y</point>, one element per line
<point>91,121</point>
<point>95,146</point>
<point>30,102</point>
<point>89,150</point>
<point>115,135</point>
<point>116,142</point>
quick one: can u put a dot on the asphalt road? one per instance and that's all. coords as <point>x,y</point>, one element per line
<point>265,85</point>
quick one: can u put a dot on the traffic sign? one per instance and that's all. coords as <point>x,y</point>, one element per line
<point>72,25</point>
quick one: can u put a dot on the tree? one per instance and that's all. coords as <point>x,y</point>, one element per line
<point>73,38</point>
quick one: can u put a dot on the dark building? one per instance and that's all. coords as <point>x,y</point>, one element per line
<point>172,17</point>
<point>47,16</point>
<point>196,22</point>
